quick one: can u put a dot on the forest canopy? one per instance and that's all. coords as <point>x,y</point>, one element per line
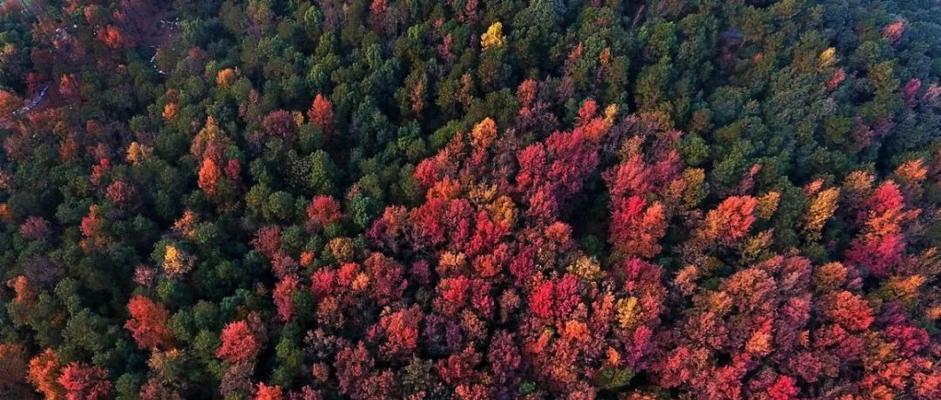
<point>470,199</point>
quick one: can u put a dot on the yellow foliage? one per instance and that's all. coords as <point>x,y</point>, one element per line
<point>627,312</point>
<point>137,153</point>
<point>610,112</point>
<point>503,211</point>
<point>759,343</point>
<point>829,277</point>
<point>912,171</point>
<point>933,313</point>
<point>484,133</point>
<point>903,290</point>
<point>162,360</point>
<point>175,261</point>
<point>447,188</point>
<point>586,268</point>
<point>342,249</point>
<point>605,56</point>
<point>211,133</point>
<point>450,261</point>
<point>695,191</point>
<point>718,302</point>
<point>186,225</point>
<point>768,204</point>
<point>757,246</point>
<point>481,194</point>
<point>493,37</point>
<point>827,58</point>
<point>822,207</point>
<point>858,183</point>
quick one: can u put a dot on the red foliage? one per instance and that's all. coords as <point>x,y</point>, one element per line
<point>784,388</point>
<point>98,170</point>
<point>35,228</point>
<point>573,157</point>
<point>386,277</point>
<point>238,343</point>
<point>556,298</point>
<point>838,76</point>
<point>85,382</point>
<point>910,92</point>
<point>630,178</point>
<point>399,333</point>
<point>112,37</point>
<point>268,240</point>
<point>587,112</point>
<point>881,244</point>
<point>353,366</point>
<point>148,323</point>
<point>849,310</point>
<point>637,228</point>
<point>280,124</point>
<point>323,211</point>
<point>120,193</point>
<point>92,226</point>
<point>233,169</point>
<point>284,297</point>
<point>9,103</point>
<point>893,32</point>
<point>526,92</point>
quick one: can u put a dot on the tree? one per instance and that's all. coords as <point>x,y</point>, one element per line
<point>44,371</point>
<point>822,207</point>
<point>484,133</point>
<point>284,297</point>
<point>322,211</point>
<point>239,343</point>
<point>85,382</point>
<point>12,366</point>
<point>493,37</point>
<point>209,174</point>
<point>731,220</point>
<point>321,113</point>
<point>148,323</point>
<point>266,392</point>
<point>636,228</point>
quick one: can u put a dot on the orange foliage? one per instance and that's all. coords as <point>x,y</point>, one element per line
<point>225,77</point>
<point>43,374</point>
<point>484,133</point>
<point>266,392</point>
<point>209,174</point>
<point>321,113</point>
<point>731,219</point>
